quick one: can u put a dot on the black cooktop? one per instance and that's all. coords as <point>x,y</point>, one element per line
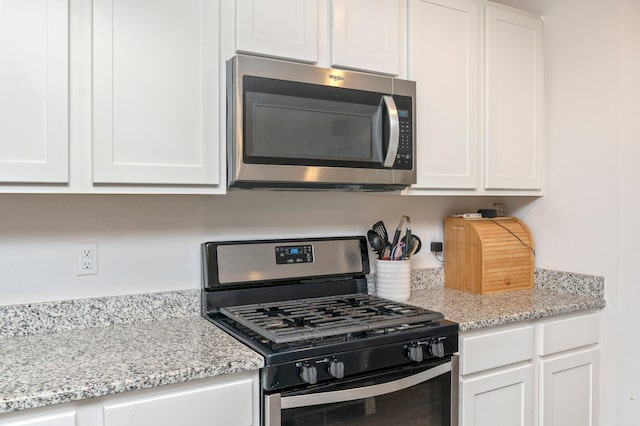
<point>321,317</point>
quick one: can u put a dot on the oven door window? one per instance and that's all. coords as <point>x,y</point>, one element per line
<point>309,125</point>
<point>425,404</point>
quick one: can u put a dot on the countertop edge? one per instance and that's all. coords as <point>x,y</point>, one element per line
<point>204,350</point>
<point>531,315</point>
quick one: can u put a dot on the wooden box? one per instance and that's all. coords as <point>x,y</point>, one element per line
<point>488,255</point>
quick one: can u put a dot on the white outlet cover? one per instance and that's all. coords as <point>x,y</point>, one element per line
<point>86,259</point>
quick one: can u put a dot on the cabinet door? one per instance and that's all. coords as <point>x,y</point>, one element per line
<point>504,398</point>
<point>228,404</point>
<point>155,92</point>
<point>514,100</point>
<point>365,35</point>
<point>569,389</point>
<point>278,28</point>
<point>444,62</point>
<point>62,419</point>
<point>34,95</point>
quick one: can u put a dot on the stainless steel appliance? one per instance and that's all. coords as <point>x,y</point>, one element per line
<point>334,355</point>
<point>299,126</point>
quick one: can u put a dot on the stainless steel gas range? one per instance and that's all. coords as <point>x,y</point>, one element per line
<point>334,355</point>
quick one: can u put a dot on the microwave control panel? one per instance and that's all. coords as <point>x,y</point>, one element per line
<point>404,157</point>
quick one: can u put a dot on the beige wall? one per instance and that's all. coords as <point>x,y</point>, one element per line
<point>628,306</point>
<point>586,221</point>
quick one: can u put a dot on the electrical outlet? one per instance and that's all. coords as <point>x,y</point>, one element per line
<point>87,259</point>
<point>434,235</point>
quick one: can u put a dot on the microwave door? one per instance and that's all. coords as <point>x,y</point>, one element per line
<point>337,128</point>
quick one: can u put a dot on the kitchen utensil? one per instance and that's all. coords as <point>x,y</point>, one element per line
<point>381,230</point>
<point>377,243</point>
<point>396,235</point>
<point>414,246</point>
<point>407,239</point>
<point>397,253</point>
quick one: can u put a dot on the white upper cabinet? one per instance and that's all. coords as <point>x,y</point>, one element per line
<point>365,35</point>
<point>514,100</point>
<point>479,73</point>
<point>278,28</point>
<point>155,92</point>
<point>444,62</point>
<point>34,95</point>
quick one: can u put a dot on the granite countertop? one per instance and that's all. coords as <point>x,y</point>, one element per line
<point>473,311</point>
<point>71,350</point>
<point>75,364</point>
<point>554,293</point>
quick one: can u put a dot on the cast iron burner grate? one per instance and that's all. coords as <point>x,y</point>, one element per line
<point>302,319</point>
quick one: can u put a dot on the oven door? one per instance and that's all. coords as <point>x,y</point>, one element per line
<point>424,395</point>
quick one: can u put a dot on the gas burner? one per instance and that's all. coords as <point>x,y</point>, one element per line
<point>303,319</point>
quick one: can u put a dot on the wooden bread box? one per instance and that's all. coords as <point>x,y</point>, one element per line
<point>482,256</point>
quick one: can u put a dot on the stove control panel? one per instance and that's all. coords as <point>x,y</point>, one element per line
<point>294,254</point>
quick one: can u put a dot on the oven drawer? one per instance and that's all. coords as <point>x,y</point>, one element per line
<point>479,352</point>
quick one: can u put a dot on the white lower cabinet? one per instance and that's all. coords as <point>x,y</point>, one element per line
<point>224,400</point>
<point>229,403</point>
<point>543,373</point>
<point>502,398</point>
<point>569,371</point>
<point>497,377</point>
<point>65,418</point>
<point>568,389</point>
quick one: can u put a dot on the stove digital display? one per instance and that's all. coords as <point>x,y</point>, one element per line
<point>294,254</point>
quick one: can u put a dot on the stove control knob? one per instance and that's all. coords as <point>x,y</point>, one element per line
<point>415,353</point>
<point>436,349</point>
<point>336,369</point>
<point>309,374</point>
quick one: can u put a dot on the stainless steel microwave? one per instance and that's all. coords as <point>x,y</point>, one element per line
<point>300,126</point>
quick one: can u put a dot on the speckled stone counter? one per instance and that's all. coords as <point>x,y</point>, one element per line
<point>71,350</point>
<point>473,311</point>
<point>555,293</point>
<point>40,370</point>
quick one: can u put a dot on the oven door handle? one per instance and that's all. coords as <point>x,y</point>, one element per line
<point>364,392</point>
<point>394,130</point>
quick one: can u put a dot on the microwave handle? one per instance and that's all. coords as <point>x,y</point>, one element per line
<point>394,130</point>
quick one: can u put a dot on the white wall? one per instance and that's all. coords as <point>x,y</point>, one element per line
<point>628,301</point>
<point>586,221</point>
<point>152,243</point>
